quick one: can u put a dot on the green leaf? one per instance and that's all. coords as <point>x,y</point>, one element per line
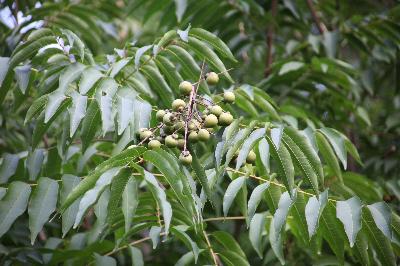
<point>382,216</point>
<point>104,260</point>
<point>180,232</point>
<point>77,111</point>
<point>91,196</point>
<point>290,66</point>
<point>3,68</point>
<point>117,188</point>
<point>180,8</point>
<point>154,235</point>
<point>275,239</point>
<point>331,231</point>
<point>88,78</point>
<point>257,227</point>
<point>22,74</point>
<point>8,167</point>
<point>74,40</point>
<point>161,198</point>
<point>130,200</point>
<point>34,163</point>
<point>137,256</point>
<point>139,53</point>
<point>228,242</point>
<point>69,182</point>
<point>337,143</point>
<point>54,102</point>
<point>167,38</point>
<point>349,213</point>
<point>158,84</point>
<point>248,145</point>
<point>36,107</point>
<point>212,40</point>
<point>272,197</point>
<point>304,156</point>
<point>42,204</point>
<point>201,175</point>
<point>284,164</point>
<point>69,75</point>
<point>125,107</point>
<point>313,211</point>
<point>298,223</point>
<point>231,193</point>
<point>186,260</point>
<point>263,149</point>
<point>90,124</point>
<point>377,240</point>
<point>168,69</point>
<point>255,199</point>
<point>13,204</point>
<point>328,154</point>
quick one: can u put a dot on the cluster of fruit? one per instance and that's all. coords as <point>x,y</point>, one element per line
<point>190,119</point>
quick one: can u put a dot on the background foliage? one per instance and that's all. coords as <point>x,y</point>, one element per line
<point>314,81</point>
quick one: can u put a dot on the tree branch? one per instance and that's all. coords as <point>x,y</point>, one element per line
<point>270,37</point>
<point>320,25</point>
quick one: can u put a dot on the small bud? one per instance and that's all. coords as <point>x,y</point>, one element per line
<point>251,157</point>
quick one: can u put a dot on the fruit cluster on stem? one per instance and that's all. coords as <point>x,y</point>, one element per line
<point>191,119</point>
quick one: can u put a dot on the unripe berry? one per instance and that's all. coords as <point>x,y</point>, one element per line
<point>171,141</point>
<point>193,124</point>
<point>178,104</point>
<point>153,144</point>
<point>168,129</point>
<point>160,115</point>
<point>180,126</point>
<point>193,136</point>
<point>185,158</point>
<point>251,157</point>
<point>210,121</point>
<point>203,135</point>
<point>216,110</point>
<point>185,87</point>
<point>181,143</point>
<point>145,133</point>
<point>212,78</point>
<point>168,118</point>
<point>229,97</point>
<point>225,119</point>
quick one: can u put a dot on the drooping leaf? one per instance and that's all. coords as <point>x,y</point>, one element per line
<point>263,149</point>
<point>137,256</point>
<point>90,124</point>
<point>180,232</point>
<point>34,163</point>
<point>69,182</point>
<point>248,145</point>
<point>284,164</point>
<point>257,227</point>
<point>337,143</point>
<point>313,211</point>
<point>328,154</point>
<point>77,111</point>
<point>104,260</point>
<point>42,204</point>
<point>382,216</point>
<point>161,198</point>
<point>91,195</point>
<point>231,193</point>
<point>130,200</point>
<point>154,234</point>
<point>88,78</point>
<point>13,204</point>
<point>255,199</point>
<point>349,213</point>
<point>8,167</point>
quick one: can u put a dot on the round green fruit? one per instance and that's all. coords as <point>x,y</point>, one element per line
<point>153,144</point>
<point>185,87</point>
<point>178,104</point>
<point>225,119</point>
<point>181,143</point>
<point>193,125</point>
<point>203,135</point>
<point>210,121</point>
<point>171,142</point>
<point>193,136</point>
<point>229,97</point>
<point>168,118</point>
<point>216,110</point>
<point>145,133</point>
<point>212,78</point>
<point>185,158</point>
<point>160,115</point>
<point>251,157</point>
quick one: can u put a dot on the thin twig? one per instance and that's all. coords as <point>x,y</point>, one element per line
<point>214,256</point>
<point>320,25</point>
<point>270,39</point>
